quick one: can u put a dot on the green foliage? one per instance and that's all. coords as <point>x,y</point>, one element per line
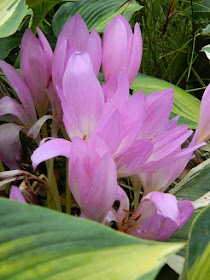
<point>11,14</point>
<point>185,104</point>
<point>198,251</point>
<point>38,243</point>
<point>201,9</point>
<point>95,13</point>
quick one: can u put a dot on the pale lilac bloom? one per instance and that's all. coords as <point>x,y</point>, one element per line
<point>16,194</point>
<point>204,119</point>
<point>75,37</point>
<point>158,216</point>
<point>92,173</point>
<point>121,49</point>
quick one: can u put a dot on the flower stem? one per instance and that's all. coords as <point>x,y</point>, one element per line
<point>136,190</point>
<point>68,192</point>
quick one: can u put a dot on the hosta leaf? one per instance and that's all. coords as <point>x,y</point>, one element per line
<point>201,9</point>
<point>8,44</point>
<point>194,186</point>
<point>38,243</point>
<point>96,13</point>
<point>198,252</point>
<point>11,15</point>
<point>185,104</point>
<point>206,49</point>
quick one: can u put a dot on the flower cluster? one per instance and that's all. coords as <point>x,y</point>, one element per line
<point>112,134</point>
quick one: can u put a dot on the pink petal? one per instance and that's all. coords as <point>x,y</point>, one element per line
<point>46,49</point>
<point>94,50</point>
<point>82,96</point>
<point>10,151</point>
<point>76,32</point>
<point>35,129</point>
<point>155,227</point>
<point>186,210</point>
<point>60,59</point>
<point>134,54</point>
<point>15,194</point>
<point>158,108</point>
<point>52,148</point>
<point>109,88</point>
<point>129,162</point>
<point>21,89</point>
<point>120,96</point>
<point>92,180</point>
<point>204,119</point>
<point>9,105</point>
<point>114,48</point>
<point>34,68</point>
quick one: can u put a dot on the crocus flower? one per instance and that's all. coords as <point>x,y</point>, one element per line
<point>35,64</point>
<point>16,194</point>
<point>117,121</point>
<point>121,48</point>
<point>158,216</point>
<point>75,37</point>
<point>92,173</point>
<point>204,119</point>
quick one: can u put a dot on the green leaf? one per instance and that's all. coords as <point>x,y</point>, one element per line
<point>38,243</point>
<point>201,9</point>
<point>8,44</point>
<point>206,30</point>
<point>196,184</point>
<point>185,104</point>
<point>198,251</point>
<point>96,13</point>
<point>40,11</point>
<point>11,14</point>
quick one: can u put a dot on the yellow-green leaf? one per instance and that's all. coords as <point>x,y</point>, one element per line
<point>38,243</point>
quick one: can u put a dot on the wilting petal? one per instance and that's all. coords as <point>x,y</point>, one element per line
<point>15,194</point>
<point>114,48</point>
<point>10,146</point>
<point>92,180</point>
<point>94,49</point>
<point>35,129</point>
<point>134,54</point>
<point>204,119</point>
<point>158,108</point>
<point>129,162</point>
<point>35,69</point>
<point>82,96</point>
<point>21,89</point>
<point>52,148</point>
<point>186,210</point>
<point>10,106</point>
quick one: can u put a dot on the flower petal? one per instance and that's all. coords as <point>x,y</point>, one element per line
<point>203,124</point>
<point>16,194</point>
<point>114,48</point>
<point>52,148</point>
<point>186,210</point>
<point>94,49</point>
<point>10,152</point>
<point>35,129</point>
<point>82,95</point>
<point>129,162</point>
<point>21,89</point>
<point>10,106</point>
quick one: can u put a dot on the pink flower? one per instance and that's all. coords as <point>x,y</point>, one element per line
<point>121,49</point>
<point>16,194</point>
<point>75,37</point>
<point>204,119</point>
<point>158,216</point>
